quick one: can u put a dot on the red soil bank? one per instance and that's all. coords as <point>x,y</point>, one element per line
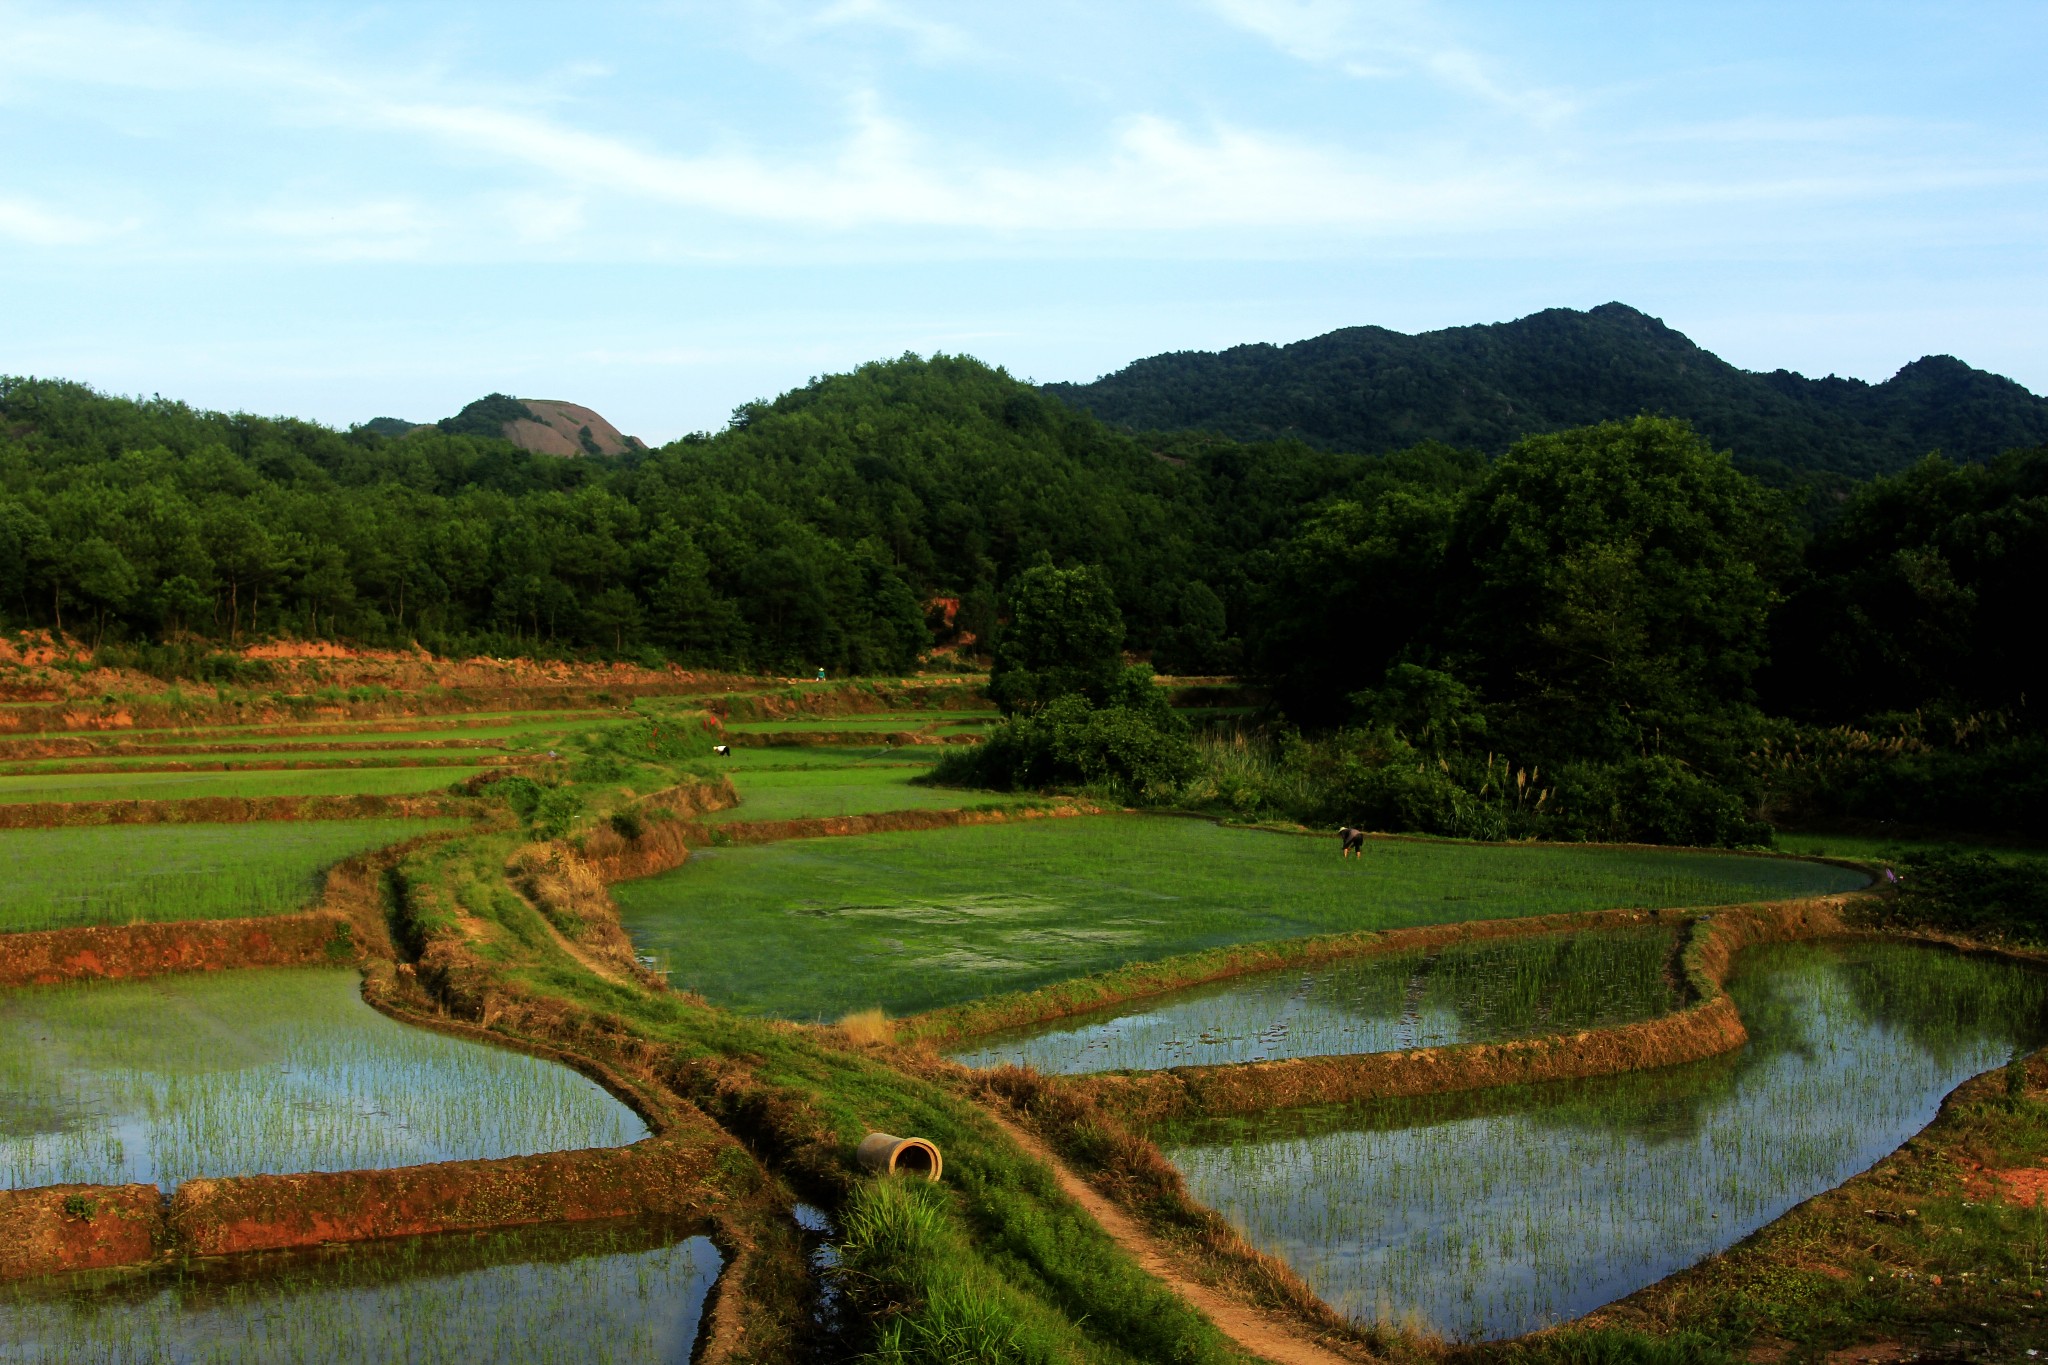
<point>77,1227</point>
<point>267,1212</point>
<point>227,810</point>
<point>111,952</point>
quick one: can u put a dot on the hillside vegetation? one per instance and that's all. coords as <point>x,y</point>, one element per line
<point>1611,631</point>
<point>1373,390</point>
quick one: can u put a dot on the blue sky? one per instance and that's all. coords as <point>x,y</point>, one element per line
<point>663,210</point>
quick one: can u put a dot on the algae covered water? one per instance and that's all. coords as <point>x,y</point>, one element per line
<point>1490,1214</point>
<point>254,1072</point>
<point>1466,992</point>
<point>618,1294</point>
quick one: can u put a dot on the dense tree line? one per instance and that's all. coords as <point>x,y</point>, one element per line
<point>808,533</point>
<point>1618,606</point>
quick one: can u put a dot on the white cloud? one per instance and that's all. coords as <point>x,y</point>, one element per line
<point>526,171</point>
<point>930,39</point>
<point>1384,39</point>
<point>24,220</point>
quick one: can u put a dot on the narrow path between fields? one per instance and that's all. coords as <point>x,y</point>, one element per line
<point>1263,1334</point>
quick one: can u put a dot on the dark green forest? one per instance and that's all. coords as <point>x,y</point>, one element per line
<point>1372,390</point>
<point>1607,631</point>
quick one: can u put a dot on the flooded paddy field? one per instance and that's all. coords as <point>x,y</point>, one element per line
<point>179,786</point>
<point>117,874</point>
<point>1489,1214</point>
<point>621,1294</point>
<point>263,1072</point>
<point>812,929</point>
<point>1465,993</point>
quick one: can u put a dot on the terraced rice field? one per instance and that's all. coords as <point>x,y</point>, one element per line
<point>1492,1214</point>
<point>252,1072</point>
<point>1468,992</point>
<point>253,782</point>
<point>618,1295</point>
<point>829,756</point>
<point>813,929</point>
<point>119,874</point>
<point>778,792</point>
<point>892,720</point>
<point>215,759</point>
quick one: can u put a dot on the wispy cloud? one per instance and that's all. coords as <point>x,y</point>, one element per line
<point>930,39</point>
<point>528,170</point>
<point>25,220</point>
<point>1385,39</point>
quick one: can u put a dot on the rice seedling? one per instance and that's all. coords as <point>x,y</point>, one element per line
<point>256,1072</point>
<point>103,766</point>
<point>619,1294</point>
<point>161,786</point>
<point>813,929</point>
<point>120,874</point>
<point>1469,992</point>
<point>789,793</point>
<point>889,720</point>
<point>907,758</point>
<point>1489,1215</point>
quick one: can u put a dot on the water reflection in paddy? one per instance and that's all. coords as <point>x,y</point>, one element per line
<point>1465,992</point>
<point>238,1073</point>
<point>627,1292</point>
<point>1492,1214</point>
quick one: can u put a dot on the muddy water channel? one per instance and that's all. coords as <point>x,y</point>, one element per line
<point>242,1073</point>
<point>1463,993</point>
<point>1491,1214</point>
<point>612,1293</point>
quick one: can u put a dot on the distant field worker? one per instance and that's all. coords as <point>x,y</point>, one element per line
<point>1354,841</point>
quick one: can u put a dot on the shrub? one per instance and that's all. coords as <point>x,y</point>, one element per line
<point>1133,749</point>
<point>1969,893</point>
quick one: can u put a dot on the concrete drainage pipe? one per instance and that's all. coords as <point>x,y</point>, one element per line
<point>886,1155</point>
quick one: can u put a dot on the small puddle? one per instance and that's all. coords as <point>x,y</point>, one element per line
<point>1486,991</point>
<point>1493,1213</point>
<point>616,1292</point>
<point>258,1072</point>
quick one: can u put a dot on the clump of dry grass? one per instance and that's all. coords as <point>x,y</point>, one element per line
<point>566,889</point>
<point>869,1026</point>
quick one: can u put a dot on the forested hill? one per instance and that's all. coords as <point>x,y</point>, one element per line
<point>1370,390</point>
<point>807,534</point>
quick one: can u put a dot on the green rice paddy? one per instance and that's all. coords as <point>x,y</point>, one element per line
<point>893,720</point>
<point>1468,992</point>
<point>212,759</point>
<point>619,1294</point>
<point>824,756</point>
<point>812,929</point>
<point>774,792</point>
<point>176,786</point>
<point>119,874</point>
<point>1489,1215</point>
<point>239,1073</point>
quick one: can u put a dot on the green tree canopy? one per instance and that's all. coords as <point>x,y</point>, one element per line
<point>1607,590</point>
<point>1064,638</point>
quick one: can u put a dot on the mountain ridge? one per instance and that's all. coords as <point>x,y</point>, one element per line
<point>1372,390</point>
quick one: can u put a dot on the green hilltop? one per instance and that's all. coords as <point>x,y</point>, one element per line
<point>1371,390</point>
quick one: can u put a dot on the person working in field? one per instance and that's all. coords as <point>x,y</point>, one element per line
<point>1354,841</point>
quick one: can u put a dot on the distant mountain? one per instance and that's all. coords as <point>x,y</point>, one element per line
<point>546,426</point>
<point>1372,390</point>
